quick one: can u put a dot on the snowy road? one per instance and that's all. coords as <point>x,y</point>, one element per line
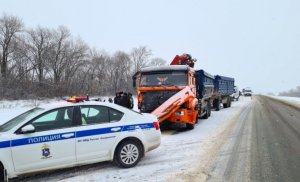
<point>179,157</point>
<point>263,146</point>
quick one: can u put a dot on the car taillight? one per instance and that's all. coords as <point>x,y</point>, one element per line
<point>156,125</point>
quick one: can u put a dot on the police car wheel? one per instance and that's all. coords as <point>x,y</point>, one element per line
<point>3,175</point>
<point>128,154</point>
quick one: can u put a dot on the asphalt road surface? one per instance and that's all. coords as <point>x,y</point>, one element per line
<point>264,145</point>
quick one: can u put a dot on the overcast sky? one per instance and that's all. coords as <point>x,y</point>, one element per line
<point>255,41</point>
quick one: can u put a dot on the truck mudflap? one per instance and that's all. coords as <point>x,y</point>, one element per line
<point>173,104</point>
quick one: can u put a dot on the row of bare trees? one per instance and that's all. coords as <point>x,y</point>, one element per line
<point>291,93</point>
<point>44,62</point>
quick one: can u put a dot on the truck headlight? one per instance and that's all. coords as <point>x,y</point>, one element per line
<point>179,113</point>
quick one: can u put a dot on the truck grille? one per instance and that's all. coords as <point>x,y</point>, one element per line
<point>154,99</point>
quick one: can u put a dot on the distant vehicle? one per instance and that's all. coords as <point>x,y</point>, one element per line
<point>70,134</point>
<point>247,92</point>
<point>236,94</point>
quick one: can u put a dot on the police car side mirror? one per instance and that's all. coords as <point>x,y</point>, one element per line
<point>28,129</point>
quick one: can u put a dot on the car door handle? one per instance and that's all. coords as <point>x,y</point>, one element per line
<point>116,129</point>
<point>67,135</point>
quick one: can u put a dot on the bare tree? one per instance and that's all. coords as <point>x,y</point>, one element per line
<point>9,27</point>
<point>291,93</point>
<point>140,57</point>
<point>119,70</point>
<point>39,46</point>
<point>76,56</point>
<point>58,57</point>
<point>100,63</point>
<point>157,62</point>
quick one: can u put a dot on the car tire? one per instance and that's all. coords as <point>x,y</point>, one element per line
<point>3,174</point>
<point>128,154</point>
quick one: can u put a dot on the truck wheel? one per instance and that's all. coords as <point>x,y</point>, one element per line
<point>190,126</point>
<point>205,116</point>
<point>128,154</point>
<point>229,105</point>
<point>216,104</point>
<point>208,109</point>
<point>228,100</point>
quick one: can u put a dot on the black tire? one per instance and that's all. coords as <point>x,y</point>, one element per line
<point>229,105</point>
<point>190,126</point>
<point>208,109</point>
<point>3,175</point>
<point>205,116</point>
<point>128,154</point>
<point>216,104</point>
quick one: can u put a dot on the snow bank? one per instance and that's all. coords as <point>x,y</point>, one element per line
<point>293,100</point>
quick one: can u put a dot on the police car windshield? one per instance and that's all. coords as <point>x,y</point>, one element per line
<point>164,79</point>
<point>19,119</point>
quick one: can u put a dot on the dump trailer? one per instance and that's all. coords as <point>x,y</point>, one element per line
<point>168,92</point>
<point>205,92</point>
<point>223,89</point>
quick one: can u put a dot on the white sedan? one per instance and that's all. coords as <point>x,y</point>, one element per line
<point>66,134</point>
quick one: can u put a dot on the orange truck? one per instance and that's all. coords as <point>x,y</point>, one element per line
<point>169,92</point>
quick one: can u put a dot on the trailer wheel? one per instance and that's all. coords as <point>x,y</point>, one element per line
<point>227,104</point>
<point>208,109</point>
<point>216,104</point>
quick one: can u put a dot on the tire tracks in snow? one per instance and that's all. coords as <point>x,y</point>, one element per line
<point>200,171</point>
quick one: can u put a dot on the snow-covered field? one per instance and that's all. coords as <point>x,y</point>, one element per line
<point>180,151</point>
<point>294,100</point>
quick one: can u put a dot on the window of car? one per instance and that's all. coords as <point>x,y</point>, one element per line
<point>99,114</point>
<point>19,119</point>
<point>54,119</point>
<point>115,115</point>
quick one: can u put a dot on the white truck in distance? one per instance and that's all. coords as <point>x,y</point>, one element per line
<point>247,92</point>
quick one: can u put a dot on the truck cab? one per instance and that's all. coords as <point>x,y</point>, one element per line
<point>169,92</point>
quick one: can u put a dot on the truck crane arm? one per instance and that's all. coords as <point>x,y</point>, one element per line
<point>172,105</point>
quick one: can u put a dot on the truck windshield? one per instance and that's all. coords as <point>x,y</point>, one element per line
<point>19,119</point>
<point>164,79</point>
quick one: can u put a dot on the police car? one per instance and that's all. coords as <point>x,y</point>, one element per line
<point>66,134</point>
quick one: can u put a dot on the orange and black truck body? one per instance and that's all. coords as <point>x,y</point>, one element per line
<point>169,92</point>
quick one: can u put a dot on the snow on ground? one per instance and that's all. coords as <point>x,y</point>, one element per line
<point>294,100</point>
<point>179,151</point>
